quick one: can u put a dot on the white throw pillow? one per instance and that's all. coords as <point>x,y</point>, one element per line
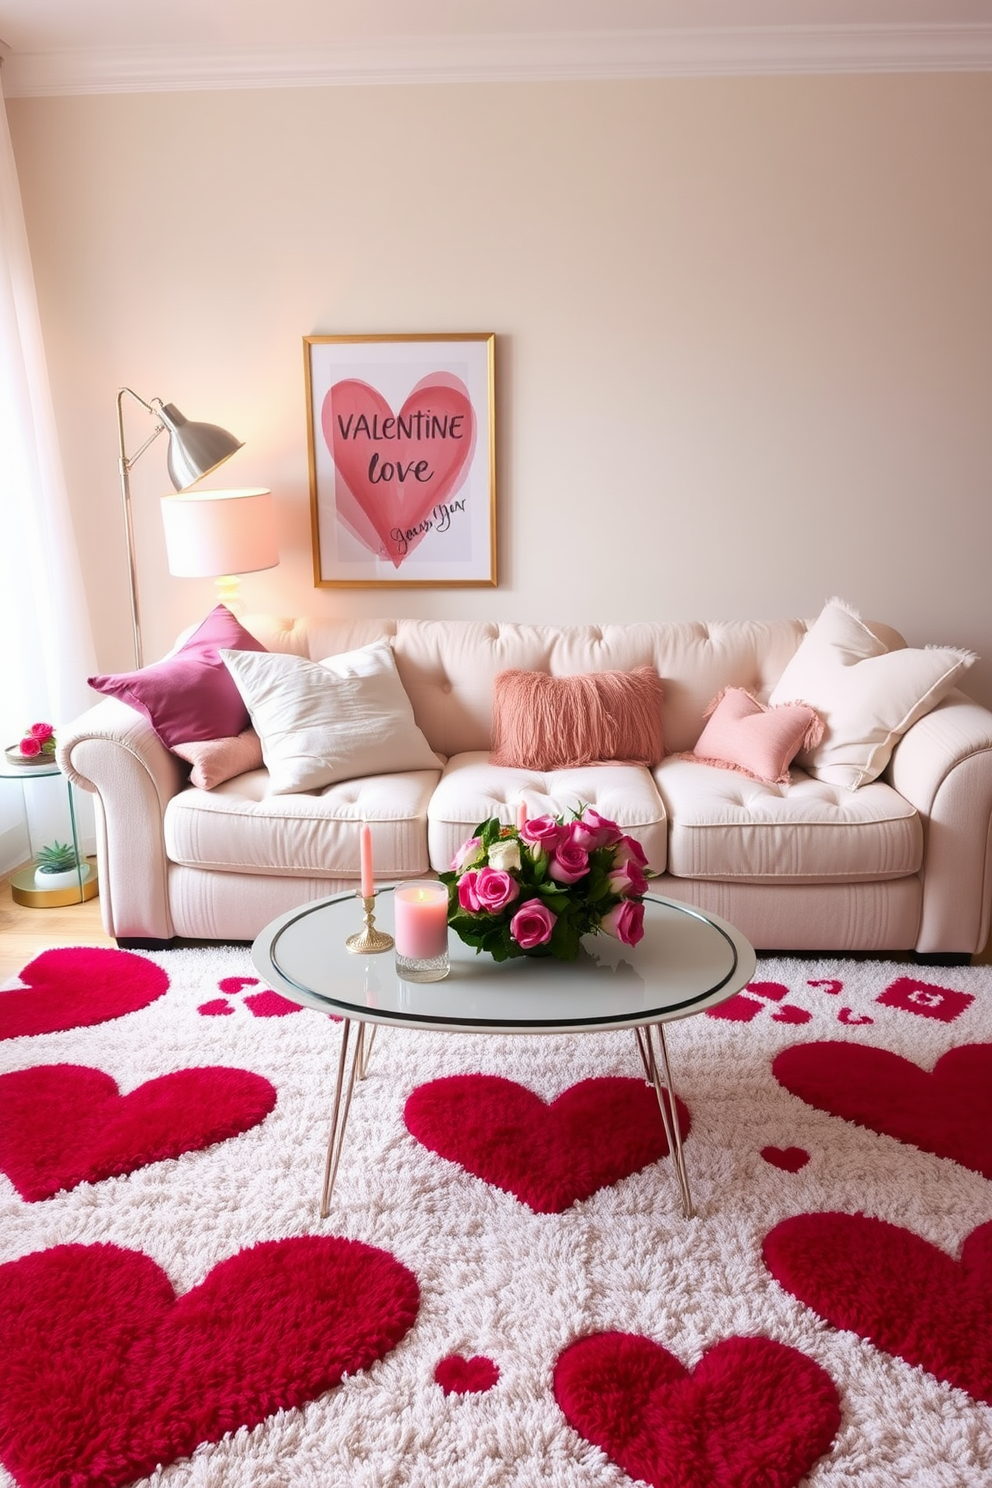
<point>320,722</point>
<point>866,695</point>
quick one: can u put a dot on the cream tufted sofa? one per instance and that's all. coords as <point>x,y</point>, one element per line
<point>901,864</point>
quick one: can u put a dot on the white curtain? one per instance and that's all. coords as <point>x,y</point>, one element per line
<point>46,647</point>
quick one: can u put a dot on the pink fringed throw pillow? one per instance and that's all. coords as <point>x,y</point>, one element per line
<point>745,735</point>
<point>217,760</point>
<point>557,723</point>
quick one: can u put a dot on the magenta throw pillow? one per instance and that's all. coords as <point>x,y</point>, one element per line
<point>756,740</point>
<point>190,695</point>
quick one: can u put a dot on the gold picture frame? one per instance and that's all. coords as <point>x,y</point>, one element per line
<point>401,439</point>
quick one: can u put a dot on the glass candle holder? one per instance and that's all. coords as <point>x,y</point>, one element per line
<point>420,930</point>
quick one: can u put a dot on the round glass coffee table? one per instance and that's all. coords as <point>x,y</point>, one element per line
<point>686,962</point>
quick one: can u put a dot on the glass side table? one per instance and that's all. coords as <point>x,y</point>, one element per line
<point>23,889</point>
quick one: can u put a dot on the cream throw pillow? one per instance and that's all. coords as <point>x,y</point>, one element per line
<point>320,722</point>
<point>866,695</point>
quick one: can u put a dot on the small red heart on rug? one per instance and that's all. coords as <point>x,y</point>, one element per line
<point>789,1159</point>
<point>232,985</point>
<point>392,470</point>
<point>65,1124</point>
<point>132,1376</point>
<point>271,1004</point>
<point>853,1019</point>
<point>736,1009</point>
<point>948,1111</point>
<point>460,1376</point>
<point>752,1411</point>
<point>218,1007</point>
<point>774,991</point>
<point>830,985</point>
<point>894,1289</point>
<point>790,1014</point>
<point>78,986</point>
<point>547,1154</point>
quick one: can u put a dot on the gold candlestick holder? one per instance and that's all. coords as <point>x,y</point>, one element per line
<point>369,939</point>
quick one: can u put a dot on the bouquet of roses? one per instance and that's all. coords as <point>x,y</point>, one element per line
<point>39,739</point>
<point>537,889</point>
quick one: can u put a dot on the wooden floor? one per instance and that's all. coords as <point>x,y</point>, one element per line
<point>25,933</point>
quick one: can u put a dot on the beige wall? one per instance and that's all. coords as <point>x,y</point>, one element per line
<point>744,329</point>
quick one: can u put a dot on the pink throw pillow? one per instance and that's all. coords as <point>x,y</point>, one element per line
<point>217,760</point>
<point>542,722</point>
<point>761,742</point>
<point>190,695</point>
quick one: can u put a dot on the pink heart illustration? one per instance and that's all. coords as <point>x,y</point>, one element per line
<point>65,1124</point>
<point>460,1376</point>
<point>78,987</point>
<point>217,1007</point>
<point>894,1289</point>
<point>752,1411</point>
<point>269,1004</point>
<point>789,1159</point>
<point>132,1376</point>
<point>791,1014</point>
<point>549,1155</point>
<point>393,469</point>
<point>948,1111</point>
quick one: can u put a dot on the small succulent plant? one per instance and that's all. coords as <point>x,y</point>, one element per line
<point>57,857</point>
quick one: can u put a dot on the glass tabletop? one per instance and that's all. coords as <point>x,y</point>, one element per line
<point>686,962</point>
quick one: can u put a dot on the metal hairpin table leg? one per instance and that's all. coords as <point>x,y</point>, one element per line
<point>662,1082</point>
<point>339,1114</point>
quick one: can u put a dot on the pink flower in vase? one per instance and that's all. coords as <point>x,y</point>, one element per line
<point>495,890</point>
<point>628,879</point>
<point>542,832</point>
<point>467,897</point>
<point>469,852</point>
<point>41,731</point>
<point>532,925</point>
<point>626,921</point>
<point>569,864</point>
<point>591,830</point>
<point>30,747</point>
<point>629,848</point>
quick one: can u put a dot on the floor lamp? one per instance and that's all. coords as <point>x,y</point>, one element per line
<point>194,450</point>
<point>219,535</point>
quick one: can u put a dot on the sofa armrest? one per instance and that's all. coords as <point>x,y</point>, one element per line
<point>112,751</point>
<point>943,767</point>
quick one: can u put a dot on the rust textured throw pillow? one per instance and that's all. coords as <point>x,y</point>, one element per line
<point>542,722</point>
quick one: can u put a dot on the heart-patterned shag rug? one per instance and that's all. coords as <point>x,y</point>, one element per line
<point>506,1293</point>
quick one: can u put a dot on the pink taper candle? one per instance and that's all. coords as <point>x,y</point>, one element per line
<point>368,884</point>
<point>521,813</point>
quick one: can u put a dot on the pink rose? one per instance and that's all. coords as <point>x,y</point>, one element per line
<point>467,853</point>
<point>30,747</point>
<point>532,925</point>
<point>627,848</point>
<point>628,879</point>
<point>542,832</point>
<point>41,731</point>
<point>626,921</point>
<point>495,890</point>
<point>468,898</point>
<point>591,830</point>
<point>569,864</point>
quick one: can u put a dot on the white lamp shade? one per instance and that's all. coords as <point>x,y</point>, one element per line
<point>210,533</point>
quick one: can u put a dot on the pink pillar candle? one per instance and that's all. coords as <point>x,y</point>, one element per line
<point>368,883</point>
<point>521,814</point>
<point>421,920</point>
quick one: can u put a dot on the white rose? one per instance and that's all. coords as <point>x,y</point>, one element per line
<point>505,856</point>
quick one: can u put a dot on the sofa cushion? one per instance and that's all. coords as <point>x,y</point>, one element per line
<point>217,760</point>
<point>761,742</point>
<point>240,828</point>
<point>471,790</point>
<point>337,719</point>
<point>190,694</point>
<point>867,695</point>
<point>725,826</point>
<point>542,722</point>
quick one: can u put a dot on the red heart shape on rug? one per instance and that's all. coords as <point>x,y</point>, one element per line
<point>895,1290</point>
<point>77,987</point>
<point>460,1376</point>
<point>948,1111</point>
<point>107,1373</point>
<point>791,1014</point>
<point>752,1411</point>
<point>789,1159</point>
<point>392,470</point>
<point>547,1154</point>
<point>64,1124</point>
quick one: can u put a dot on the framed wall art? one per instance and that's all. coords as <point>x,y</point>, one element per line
<point>401,439</point>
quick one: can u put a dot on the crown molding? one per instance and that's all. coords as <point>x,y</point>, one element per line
<point>560,57</point>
